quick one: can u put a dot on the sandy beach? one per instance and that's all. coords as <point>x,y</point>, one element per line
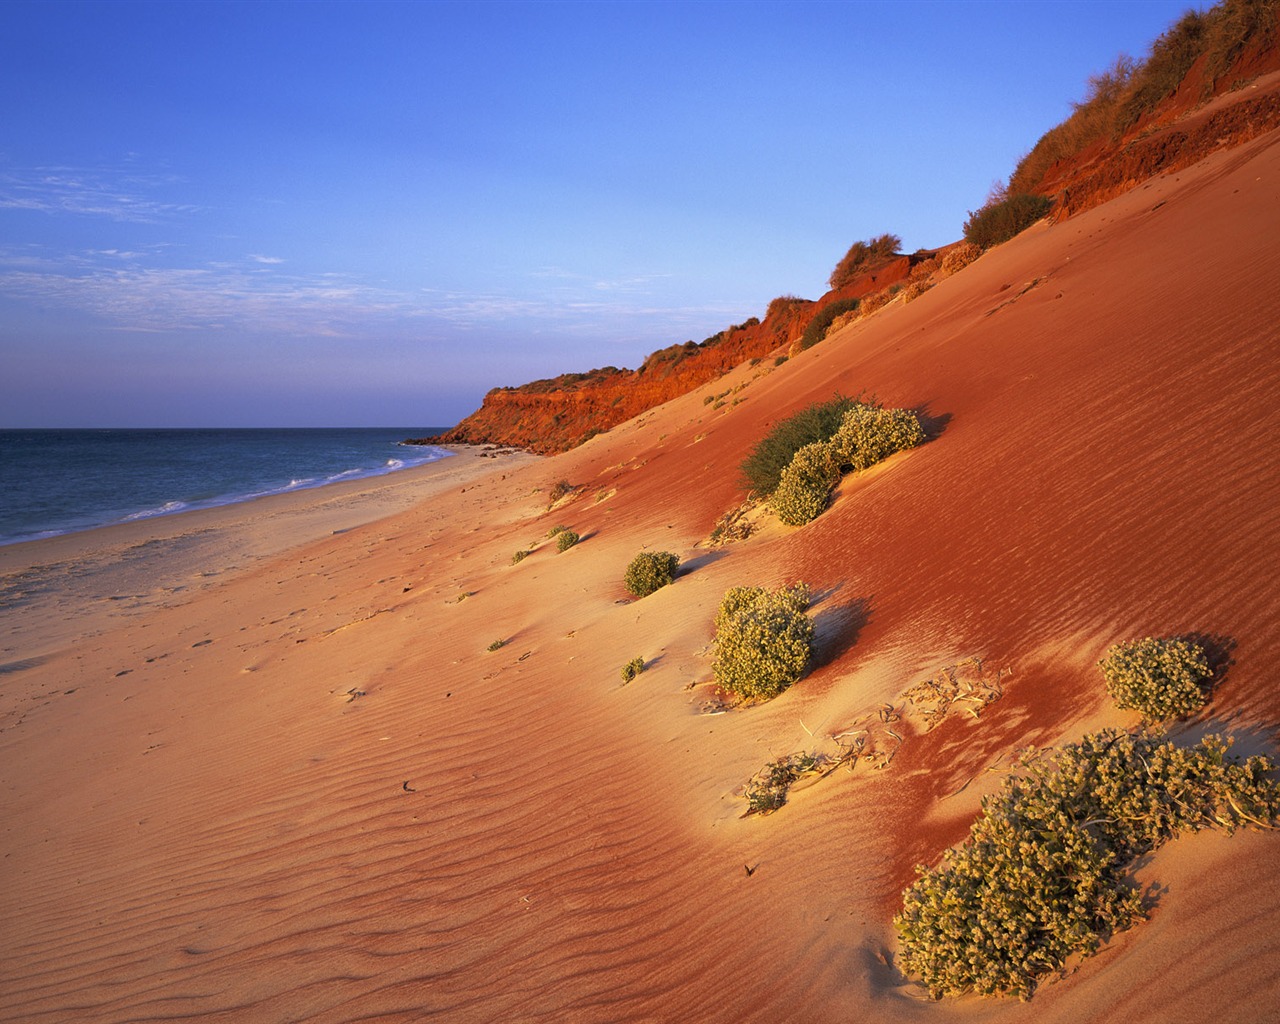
<point>262,764</point>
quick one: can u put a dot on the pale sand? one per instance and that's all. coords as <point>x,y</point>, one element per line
<point>66,584</point>
<point>305,790</point>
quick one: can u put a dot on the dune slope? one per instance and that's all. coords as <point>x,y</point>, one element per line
<point>311,793</point>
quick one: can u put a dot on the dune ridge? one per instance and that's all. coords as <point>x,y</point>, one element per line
<point>307,790</point>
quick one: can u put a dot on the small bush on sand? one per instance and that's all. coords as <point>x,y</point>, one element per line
<point>999,221</point>
<point>864,256</point>
<point>566,539</point>
<point>519,557</point>
<point>632,669</point>
<point>869,434</point>
<point>763,640</point>
<point>556,530</point>
<point>806,484</point>
<point>650,571</point>
<point>820,325</point>
<point>1161,677</point>
<point>497,645</point>
<point>767,791</point>
<point>762,468</point>
<point>1042,874</point>
<point>562,489</point>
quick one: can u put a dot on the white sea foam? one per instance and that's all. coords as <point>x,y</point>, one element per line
<point>167,508</point>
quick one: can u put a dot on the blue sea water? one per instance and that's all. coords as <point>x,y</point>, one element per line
<point>60,481</point>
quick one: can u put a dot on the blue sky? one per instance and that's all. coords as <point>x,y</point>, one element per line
<point>277,214</point>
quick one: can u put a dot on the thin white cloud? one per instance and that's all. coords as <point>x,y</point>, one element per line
<point>143,291</point>
<point>96,192</point>
<point>270,260</point>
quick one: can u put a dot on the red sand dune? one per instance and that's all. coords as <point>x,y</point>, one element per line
<point>309,792</point>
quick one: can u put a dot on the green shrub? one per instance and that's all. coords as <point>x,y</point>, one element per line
<point>632,669</point>
<point>1042,874</point>
<point>566,539</point>
<point>821,323</point>
<point>497,645</point>
<point>650,571</point>
<point>863,256</point>
<point>763,640</point>
<point>868,434</point>
<point>806,484</point>
<point>1161,677</point>
<point>519,557</point>
<point>999,221</point>
<point>562,489</point>
<point>762,468</point>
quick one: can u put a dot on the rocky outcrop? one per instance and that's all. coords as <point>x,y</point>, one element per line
<point>555,415</point>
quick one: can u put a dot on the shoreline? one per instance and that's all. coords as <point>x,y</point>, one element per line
<point>70,584</point>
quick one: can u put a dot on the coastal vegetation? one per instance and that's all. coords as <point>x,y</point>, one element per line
<point>1118,98</point>
<point>863,256</point>
<point>1162,677</point>
<point>763,640</point>
<point>806,484</point>
<point>561,490</point>
<point>767,791</point>
<point>867,434</point>
<point>632,669</point>
<point>1004,216</point>
<point>763,466</point>
<point>821,324</point>
<point>650,571</point>
<point>1043,874</point>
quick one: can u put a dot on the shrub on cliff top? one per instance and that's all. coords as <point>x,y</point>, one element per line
<point>1042,874</point>
<point>863,256</point>
<point>1161,677</point>
<point>999,221</point>
<point>650,571</point>
<point>762,468</point>
<point>763,640</point>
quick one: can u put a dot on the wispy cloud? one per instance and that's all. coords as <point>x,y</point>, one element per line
<point>130,292</point>
<point>114,193</point>
<point>605,320</point>
<point>146,290</point>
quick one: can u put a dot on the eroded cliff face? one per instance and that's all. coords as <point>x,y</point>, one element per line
<point>550,416</point>
<point>1197,120</point>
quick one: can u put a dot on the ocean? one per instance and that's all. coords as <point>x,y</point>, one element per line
<point>61,481</point>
